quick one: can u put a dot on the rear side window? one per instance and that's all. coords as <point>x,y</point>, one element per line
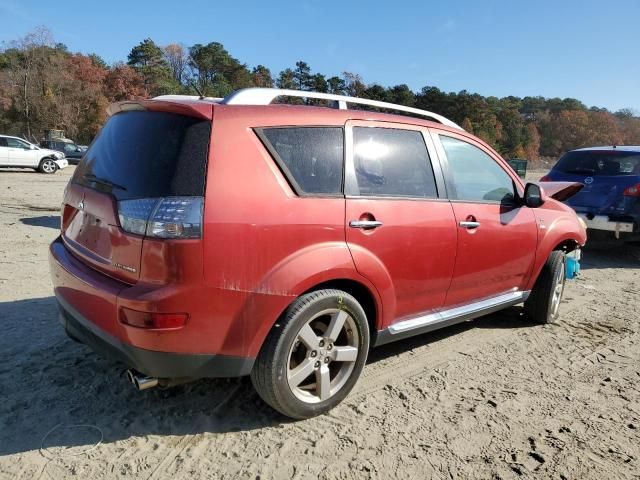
<point>600,163</point>
<point>392,163</point>
<point>474,175</point>
<point>144,154</point>
<point>311,157</point>
<point>3,142</point>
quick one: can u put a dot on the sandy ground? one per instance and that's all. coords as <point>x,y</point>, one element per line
<point>496,397</point>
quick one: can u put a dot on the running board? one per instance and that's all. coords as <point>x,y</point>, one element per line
<point>433,321</point>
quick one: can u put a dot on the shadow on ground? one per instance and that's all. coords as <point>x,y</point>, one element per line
<point>626,255</point>
<point>50,382</point>
<point>47,221</point>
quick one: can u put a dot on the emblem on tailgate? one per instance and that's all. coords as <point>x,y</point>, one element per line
<point>126,268</point>
<point>81,205</point>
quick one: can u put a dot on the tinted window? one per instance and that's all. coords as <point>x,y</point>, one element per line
<point>3,142</point>
<point>600,162</point>
<point>475,176</point>
<point>392,162</point>
<point>312,157</point>
<point>15,143</point>
<point>149,154</point>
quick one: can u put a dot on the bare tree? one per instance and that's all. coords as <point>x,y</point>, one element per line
<point>177,56</point>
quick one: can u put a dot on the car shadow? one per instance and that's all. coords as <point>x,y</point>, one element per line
<point>626,255</point>
<point>47,221</point>
<point>50,383</point>
<point>510,318</point>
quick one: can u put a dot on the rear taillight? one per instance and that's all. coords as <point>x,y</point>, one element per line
<point>632,191</point>
<point>169,217</point>
<point>158,321</point>
<point>546,178</point>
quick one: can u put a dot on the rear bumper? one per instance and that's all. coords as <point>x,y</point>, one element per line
<point>149,362</point>
<point>602,222</point>
<point>89,303</point>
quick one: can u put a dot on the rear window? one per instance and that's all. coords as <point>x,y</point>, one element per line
<point>144,154</point>
<point>600,162</point>
<point>310,157</point>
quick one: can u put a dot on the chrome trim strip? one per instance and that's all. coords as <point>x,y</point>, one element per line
<point>446,315</point>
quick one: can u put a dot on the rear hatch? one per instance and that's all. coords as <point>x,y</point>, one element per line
<point>609,177</point>
<point>142,163</point>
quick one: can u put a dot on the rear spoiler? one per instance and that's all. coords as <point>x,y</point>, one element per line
<point>560,191</point>
<point>189,108</point>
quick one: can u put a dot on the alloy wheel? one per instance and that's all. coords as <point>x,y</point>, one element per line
<point>323,355</point>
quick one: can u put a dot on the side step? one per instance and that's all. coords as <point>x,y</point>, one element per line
<point>434,321</point>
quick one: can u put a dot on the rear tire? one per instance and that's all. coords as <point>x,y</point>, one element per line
<point>48,166</point>
<point>543,304</point>
<point>314,354</point>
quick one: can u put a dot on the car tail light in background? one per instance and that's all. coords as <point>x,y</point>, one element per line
<point>169,217</point>
<point>154,320</point>
<point>632,191</point>
<point>546,178</point>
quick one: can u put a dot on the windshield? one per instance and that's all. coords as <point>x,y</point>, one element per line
<point>143,154</point>
<point>600,163</point>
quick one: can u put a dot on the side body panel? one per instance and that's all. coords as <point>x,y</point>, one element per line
<point>410,257</point>
<point>497,256</point>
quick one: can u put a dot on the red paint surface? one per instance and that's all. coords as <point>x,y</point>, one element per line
<point>263,246</point>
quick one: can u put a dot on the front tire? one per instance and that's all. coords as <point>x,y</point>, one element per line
<point>48,166</point>
<point>314,354</point>
<point>543,304</point>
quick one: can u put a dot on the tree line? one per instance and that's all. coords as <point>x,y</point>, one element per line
<point>43,86</point>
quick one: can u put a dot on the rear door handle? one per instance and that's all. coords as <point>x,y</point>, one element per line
<point>469,224</point>
<point>365,224</point>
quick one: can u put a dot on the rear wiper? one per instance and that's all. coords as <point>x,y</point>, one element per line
<point>93,178</point>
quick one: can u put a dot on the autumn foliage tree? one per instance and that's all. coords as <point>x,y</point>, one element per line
<point>43,86</point>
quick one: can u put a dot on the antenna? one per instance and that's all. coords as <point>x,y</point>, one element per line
<point>195,87</point>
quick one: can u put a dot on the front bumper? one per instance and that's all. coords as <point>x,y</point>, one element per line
<point>62,163</point>
<point>149,362</point>
<point>602,222</point>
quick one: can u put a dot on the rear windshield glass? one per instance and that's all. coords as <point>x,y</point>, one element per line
<point>148,154</point>
<point>600,162</point>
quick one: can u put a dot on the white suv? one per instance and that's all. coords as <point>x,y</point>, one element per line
<point>16,152</point>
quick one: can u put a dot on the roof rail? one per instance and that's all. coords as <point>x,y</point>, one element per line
<point>187,97</point>
<point>264,96</point>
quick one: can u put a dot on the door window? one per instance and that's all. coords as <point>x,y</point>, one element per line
<point>392,162</point>
<point>474,175</point>
<point>15,143</point>
<point>3,142</point>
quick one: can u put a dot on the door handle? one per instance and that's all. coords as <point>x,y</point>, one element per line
<point>365,224</point>
<point>469,225</point>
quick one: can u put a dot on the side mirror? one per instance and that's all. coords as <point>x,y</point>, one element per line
<point>533,195</point>
<point>32,146</point>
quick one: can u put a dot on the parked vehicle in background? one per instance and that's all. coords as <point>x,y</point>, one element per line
<point>18,153</point>
<point>519,166</point>
<point>228,237</point>
<point>609,203</point>
<point>72,152</point>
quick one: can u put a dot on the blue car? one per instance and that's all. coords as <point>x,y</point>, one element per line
<point>609,203</point>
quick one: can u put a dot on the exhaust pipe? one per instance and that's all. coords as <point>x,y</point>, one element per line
<point>141,381</point>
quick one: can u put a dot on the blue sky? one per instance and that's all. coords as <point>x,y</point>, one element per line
<point>583,49</point>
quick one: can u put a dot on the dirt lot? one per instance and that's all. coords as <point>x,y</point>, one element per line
<point>497,397</point>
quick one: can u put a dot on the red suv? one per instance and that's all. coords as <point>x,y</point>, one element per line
<point>227,237</point>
